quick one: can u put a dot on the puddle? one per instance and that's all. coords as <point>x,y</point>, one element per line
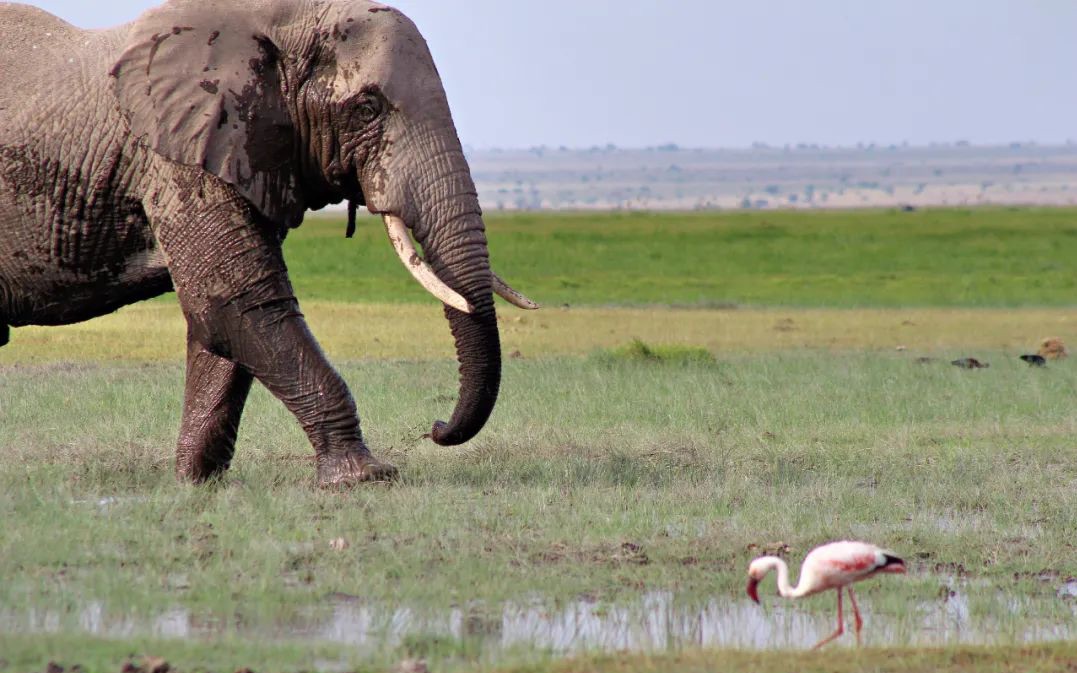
<point>655,622</point>
<point>1068,590</point>
<point>108,502</point>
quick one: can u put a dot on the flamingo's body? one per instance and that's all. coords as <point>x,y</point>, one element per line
<point>835,565</point>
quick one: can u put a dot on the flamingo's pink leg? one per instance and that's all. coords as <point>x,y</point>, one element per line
<point>841,626</point>
<point>856,613</point>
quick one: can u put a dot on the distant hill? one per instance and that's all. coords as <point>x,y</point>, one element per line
<point>804,176</point>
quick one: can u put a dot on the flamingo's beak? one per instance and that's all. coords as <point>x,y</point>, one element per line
<point>752,592</point>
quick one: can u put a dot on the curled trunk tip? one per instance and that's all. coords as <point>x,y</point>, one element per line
<point>478,350</point>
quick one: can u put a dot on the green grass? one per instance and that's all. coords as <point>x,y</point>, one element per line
<point>669,479</point>
<point>638,350</point>
<point>102,655</point>
<point>952,257</point>
<point>1042,659</point>
<point>107,655</point>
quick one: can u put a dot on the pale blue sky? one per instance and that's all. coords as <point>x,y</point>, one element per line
<point>717,73</point>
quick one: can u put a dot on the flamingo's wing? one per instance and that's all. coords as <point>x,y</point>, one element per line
<point>840,563</point>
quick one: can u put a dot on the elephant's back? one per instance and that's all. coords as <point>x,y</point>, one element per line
<point>39,52</point>
<point>31,40</point>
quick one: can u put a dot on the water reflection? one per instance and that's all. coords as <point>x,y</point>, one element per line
<point>1068,590</point>
<point>655,622</point>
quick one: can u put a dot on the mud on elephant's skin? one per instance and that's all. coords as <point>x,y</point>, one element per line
<point>177,151</point>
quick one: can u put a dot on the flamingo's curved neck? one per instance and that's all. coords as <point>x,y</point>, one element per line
<point>784,588</point>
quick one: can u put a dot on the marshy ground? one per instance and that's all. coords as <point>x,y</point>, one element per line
<point>640,455</point>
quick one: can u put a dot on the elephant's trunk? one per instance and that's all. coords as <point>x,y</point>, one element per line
<point>478,350</point>
<point>423,181</point>
<point>462,261</point>
<point>447,223</point>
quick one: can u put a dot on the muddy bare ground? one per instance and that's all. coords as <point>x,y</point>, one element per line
<point>142,665</point>
<point>139,665</point>
<point>150,664</point>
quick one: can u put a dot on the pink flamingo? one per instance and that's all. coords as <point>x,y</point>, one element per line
<point>835,565</point>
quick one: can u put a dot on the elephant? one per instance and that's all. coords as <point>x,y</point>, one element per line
<point>174,153</point>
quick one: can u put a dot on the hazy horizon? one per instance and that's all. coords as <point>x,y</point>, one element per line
<point>757,145</point>
<point>714,74</point>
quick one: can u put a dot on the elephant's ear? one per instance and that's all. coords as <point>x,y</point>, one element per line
<point>204,89</point>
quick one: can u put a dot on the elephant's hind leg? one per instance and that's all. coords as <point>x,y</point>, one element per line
<point>213,400</point>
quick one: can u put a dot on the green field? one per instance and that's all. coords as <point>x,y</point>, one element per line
<point>836,259</point>
<point>646,446</point>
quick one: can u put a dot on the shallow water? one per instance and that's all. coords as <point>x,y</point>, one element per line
<point>655,622</point>
<point>1068,590</point>
<point>106,503</point>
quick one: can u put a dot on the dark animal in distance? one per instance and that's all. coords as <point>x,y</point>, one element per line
<point>1035,360</point>
<point>969,363</point>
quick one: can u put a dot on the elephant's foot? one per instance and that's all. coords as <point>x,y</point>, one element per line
<point>342,469</point>
<point>199,468</point>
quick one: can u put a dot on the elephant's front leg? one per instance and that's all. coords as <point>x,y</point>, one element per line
<point>270,338</point>
<point>232,284</point>
<point>215,392</point>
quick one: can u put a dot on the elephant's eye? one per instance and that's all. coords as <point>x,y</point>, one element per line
<point>368,108</point>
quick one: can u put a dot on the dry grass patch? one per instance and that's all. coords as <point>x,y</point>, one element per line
<point>154,331</point>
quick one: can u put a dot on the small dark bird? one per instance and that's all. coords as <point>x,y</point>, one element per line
<point>970,363</point>
<point>1035,360</point>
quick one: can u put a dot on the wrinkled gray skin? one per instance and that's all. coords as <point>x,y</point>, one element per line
<point>177,151</point>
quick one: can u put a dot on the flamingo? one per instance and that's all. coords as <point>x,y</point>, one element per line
<point>835,565</point>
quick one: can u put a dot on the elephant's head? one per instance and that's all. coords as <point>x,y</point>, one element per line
<point>302,103</point>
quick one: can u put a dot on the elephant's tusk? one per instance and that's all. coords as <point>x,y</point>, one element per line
<point>512,296</point>
<point>420,270</point>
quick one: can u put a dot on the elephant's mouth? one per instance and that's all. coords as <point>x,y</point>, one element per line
<point>400,237</point>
